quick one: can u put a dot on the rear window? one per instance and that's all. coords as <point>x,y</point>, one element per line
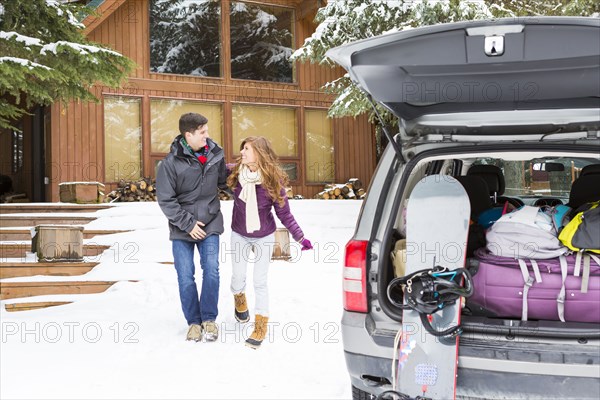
<point>538,177</point>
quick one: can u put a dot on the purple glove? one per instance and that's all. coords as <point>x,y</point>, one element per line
<point>230,167</point>
<point>306,244</point>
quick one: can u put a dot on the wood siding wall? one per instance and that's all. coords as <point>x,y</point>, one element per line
<point>77,145</point>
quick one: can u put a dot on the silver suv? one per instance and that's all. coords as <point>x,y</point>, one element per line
<point>522,95</point>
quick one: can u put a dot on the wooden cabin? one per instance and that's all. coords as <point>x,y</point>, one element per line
<point>227,62</point>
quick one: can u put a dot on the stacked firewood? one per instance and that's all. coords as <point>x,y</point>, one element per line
<point>352,190</point>
<point>145,190</point>
<point>223,195</point>
<point>141,190</point>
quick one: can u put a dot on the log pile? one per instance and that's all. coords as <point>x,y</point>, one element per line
<point>289,192</point>
<point>351,190</point>
<point>140,190</point>
<point>145,190</point>
<point>223,195</point>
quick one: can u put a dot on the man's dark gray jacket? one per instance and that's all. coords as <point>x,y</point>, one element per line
<point>187,191</point>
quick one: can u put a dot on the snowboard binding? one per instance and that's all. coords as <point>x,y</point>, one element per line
<point>428,291</point>
<point>395,395</point>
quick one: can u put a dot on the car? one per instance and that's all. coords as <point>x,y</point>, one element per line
<point>510,98</point>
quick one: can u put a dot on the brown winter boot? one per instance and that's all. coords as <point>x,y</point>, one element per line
<point>260,331</point>
<point>241,308</point>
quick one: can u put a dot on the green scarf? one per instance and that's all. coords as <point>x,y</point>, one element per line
<point>186,145</point>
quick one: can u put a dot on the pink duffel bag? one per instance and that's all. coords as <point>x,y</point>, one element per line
<point>565,288</point>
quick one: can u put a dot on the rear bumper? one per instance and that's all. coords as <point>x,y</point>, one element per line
<point>480,384</point>
<point>481,375</point>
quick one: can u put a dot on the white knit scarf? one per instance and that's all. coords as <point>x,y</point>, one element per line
<point>249,180</point>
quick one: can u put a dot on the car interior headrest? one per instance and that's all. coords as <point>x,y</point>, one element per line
<point>592,169</point>
<point>478,192</point>
<point>584,189</point>
<point>492,175</point>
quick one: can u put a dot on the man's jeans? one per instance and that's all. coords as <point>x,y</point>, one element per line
<point>195,311</point>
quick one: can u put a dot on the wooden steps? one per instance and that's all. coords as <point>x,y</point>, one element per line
<point>8,234</point>
<point>25,306</point>
<point>10,220</point>
<point>22,208</point>
<point>18,250</point>
<point>12,290</point>
<point>15,234</point>
<point>15,219</point>
<point>25,233</point>
<point>18,269</point>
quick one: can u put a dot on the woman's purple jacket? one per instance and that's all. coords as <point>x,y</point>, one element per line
<point>267,222</point>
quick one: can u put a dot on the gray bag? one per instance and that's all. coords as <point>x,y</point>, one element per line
<point>527,233</point>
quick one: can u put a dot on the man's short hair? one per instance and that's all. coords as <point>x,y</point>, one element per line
<point>189,122</point>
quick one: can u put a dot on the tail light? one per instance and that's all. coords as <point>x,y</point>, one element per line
<point>355,276</point>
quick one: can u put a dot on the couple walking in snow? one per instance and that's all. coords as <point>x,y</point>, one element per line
<point>187,183</point>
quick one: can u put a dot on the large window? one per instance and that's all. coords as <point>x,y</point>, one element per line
<point>185,37</point>
<point>122,138</point>
<point>261,42</point>
<point>538,177</point>
<point>278,124</point>
<point>319,147</point>
<point>164,123</point>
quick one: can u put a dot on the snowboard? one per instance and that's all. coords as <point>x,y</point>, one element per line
<point>437,224</point>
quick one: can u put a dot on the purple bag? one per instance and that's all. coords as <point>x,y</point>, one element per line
<point>534,289</point>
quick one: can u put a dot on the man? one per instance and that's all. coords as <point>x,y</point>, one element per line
<point>187,185</point>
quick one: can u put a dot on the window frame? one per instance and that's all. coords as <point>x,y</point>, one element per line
<point>222,103</point>
<point>333,155</point>
<point>103,112</point>
<point>294,27</point>
<point>297,159</point>
<point>225,34</point>
<point>222,53</point>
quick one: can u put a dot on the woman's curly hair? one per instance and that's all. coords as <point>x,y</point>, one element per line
<point>273,177</point>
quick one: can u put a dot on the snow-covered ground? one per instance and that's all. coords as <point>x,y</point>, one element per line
<point>129,342</point>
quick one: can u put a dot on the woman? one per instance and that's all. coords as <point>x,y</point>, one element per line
<point>258,185</point>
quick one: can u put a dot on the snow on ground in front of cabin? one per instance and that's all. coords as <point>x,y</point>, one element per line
<point>129,342</point>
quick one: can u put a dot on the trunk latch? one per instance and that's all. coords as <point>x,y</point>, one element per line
<point>494,45</point>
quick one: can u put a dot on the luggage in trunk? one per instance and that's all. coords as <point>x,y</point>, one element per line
<point>533,289</point>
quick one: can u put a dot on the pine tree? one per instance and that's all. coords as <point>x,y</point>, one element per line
<point>44,57</point>
<point>517,8</point>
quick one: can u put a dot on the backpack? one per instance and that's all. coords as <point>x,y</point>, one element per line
<point>582,234</point>
<point>560,216</point>
<point>527,233</point>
